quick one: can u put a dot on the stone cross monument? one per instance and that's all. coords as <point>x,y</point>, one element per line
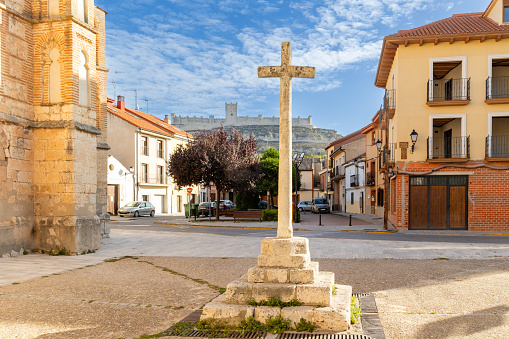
<point>285,270</point>
<point>285,72</point>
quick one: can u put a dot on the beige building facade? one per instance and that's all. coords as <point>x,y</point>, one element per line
<point>52,126</point>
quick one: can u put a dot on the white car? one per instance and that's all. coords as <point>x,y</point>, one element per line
<point>304,206</point>
<point>137,208</point>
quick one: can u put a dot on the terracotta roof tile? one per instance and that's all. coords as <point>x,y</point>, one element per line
<point>145,121</point>
<point>458,24</point>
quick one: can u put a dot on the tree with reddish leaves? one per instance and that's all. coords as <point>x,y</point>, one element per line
<point>228,160</point>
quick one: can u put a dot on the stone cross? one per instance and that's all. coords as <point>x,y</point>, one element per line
<point>285,72</point>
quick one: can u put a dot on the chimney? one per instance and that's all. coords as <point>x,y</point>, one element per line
<point>167,119</point>
<point>120,103</point>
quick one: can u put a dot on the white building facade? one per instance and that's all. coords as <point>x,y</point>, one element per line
<point>354,185</point>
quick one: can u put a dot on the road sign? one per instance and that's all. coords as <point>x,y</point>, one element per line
<point>189,190</point>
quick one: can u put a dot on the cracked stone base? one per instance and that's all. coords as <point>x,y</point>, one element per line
<point>285,271</point>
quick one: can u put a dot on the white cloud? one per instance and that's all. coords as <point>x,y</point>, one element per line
<point>193,61</point>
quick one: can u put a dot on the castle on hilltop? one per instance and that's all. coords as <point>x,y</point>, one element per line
<point>232,119</point>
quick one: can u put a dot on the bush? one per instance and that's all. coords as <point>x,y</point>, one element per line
<point>296,216</point>
<point>355,310</point>
<point>245,201</point>
<point>269,215</point>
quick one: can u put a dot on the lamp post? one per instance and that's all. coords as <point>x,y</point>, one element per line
<point>386,181</point>
<point>413,137</point>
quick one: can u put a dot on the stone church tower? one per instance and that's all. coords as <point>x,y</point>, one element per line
<point>52,125</point>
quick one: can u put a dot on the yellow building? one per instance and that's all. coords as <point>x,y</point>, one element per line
<point>449,82</point>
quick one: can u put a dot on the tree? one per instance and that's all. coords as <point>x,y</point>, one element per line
<point>269,163</point>
<point>228,161</point>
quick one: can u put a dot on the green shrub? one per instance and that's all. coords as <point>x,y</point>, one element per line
<point>269,215</point>
<point>277,324</point>
<point>355,310</point>
<point>274,302</point>
<point>305,326</point>
<point>252,325</point>
<point>182,328</point>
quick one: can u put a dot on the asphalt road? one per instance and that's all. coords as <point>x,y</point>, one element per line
<point>148,224</point>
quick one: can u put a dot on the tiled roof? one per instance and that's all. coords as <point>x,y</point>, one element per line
<point>349,138</point>
<point>145,121</point>
<point>458,24</point>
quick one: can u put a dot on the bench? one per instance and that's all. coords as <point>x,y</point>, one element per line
<point>226,213</point>
<point>256,214</point>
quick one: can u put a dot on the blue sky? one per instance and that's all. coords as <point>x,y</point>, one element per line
<point>189,57</point>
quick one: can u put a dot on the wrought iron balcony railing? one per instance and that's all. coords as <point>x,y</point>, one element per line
<point>149,179</point>
<point>383,156</point>
<point>497,146</point>
<point>370,179</point>
<point>390,99</point>
<point>448,89</point>
<point>337,171</point>
<point>391,155</point>
<point>449,147</point>
<point>144,150</point>
<point>160,153</point>
<point>497,87</point>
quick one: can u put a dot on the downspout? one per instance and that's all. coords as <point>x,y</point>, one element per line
<point>136,141</point>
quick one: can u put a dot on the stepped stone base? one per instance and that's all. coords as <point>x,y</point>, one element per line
<point>284,271</point>
<point>335,317</point>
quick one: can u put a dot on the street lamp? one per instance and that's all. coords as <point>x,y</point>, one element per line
<point>413,137</point>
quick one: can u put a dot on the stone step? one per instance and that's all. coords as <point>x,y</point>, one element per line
<point>284,253</point>
<point>335,317</point>
<point>319,293</point>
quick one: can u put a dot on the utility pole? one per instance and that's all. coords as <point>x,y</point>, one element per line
<point>146,101</point>
<point>386,164</point>
<point>114,82</point>
<point>136,99</point>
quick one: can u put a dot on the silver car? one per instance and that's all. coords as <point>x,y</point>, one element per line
<point>304,206</point>
<point>137,208</point>
<point>320,205</point>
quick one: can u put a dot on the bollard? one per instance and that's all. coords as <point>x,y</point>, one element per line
<point>320,219</point>
<point>350,224</point>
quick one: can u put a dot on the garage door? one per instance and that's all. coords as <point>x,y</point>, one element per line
<point>159,203</point>
<point>438,202</point>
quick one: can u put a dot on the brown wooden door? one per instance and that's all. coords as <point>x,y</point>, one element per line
<point>112,199</point>
<point>438,207</point>
<point>457,207</point>
<point>419,208</point>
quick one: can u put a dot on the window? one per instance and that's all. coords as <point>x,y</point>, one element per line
<point>83,81</point>
<point>506,11</point>
<point>144,173</point>
<point>144,145</point>
<point>351,198</point>
<point>159,148</point>
<point>83,10</point>
<point>144,198</point>
<point>160,178</point>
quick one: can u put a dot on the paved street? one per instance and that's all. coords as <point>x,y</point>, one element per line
<point>428,284</point>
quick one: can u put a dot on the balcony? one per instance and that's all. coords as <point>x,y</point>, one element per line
<point>337,173</point>
<point>354,180</point>
<point>370,179</point>
<point>152,180</point>
<point>392,152</point>
<point>390,102</point>
<point>160,153</point>
<point>449,149</point>
<point>448,92</point>
<point>144,150</point>
<point>497,90</point>
<point>383,156</point>
<point>497,148</point>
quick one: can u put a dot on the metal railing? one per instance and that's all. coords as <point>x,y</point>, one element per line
<point>449,147</point>
<point>337,171</point>
<point>382,156</point>
<point>497,87</point>
<point>354,180</point>
<point>449,89</point>
<point>370,179</point>
<point>159,153</point>
<point>155,179</point>
<point>497,146</point>
<point>390,99</point>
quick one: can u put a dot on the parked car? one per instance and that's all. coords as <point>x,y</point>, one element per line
<point>137,208</point>
<point>203,208</point>
<point>320,205</point>
<point>304,206</point>
<point>264,205</point>
<point>226,205</point>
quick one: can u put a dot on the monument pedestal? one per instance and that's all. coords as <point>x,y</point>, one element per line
<point>285,271</point>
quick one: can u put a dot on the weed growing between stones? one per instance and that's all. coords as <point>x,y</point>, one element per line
<point>355,310</point>
<point>87,252</point>
<point>334,289</point>
<point>278,324</point>
<point>305,326</point>
<point>274,302</point>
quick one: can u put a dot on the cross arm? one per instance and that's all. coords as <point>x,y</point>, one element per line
<point>302,72</point>
<point>269,72</point>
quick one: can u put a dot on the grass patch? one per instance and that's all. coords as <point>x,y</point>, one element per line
<point>355,310</point>
<point>121,258</point>
<point>157,335</point>
<point>441,259</point>
<point>16,283</point>
<point>274,302</point>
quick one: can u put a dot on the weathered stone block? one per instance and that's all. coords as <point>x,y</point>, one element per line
<point>331,319</point>
<point>285,292</point>
<point>262,313</point>
<point>294,314</point>
<point>238,292</point>
<point>284,253</point>
<point>228,313</point>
